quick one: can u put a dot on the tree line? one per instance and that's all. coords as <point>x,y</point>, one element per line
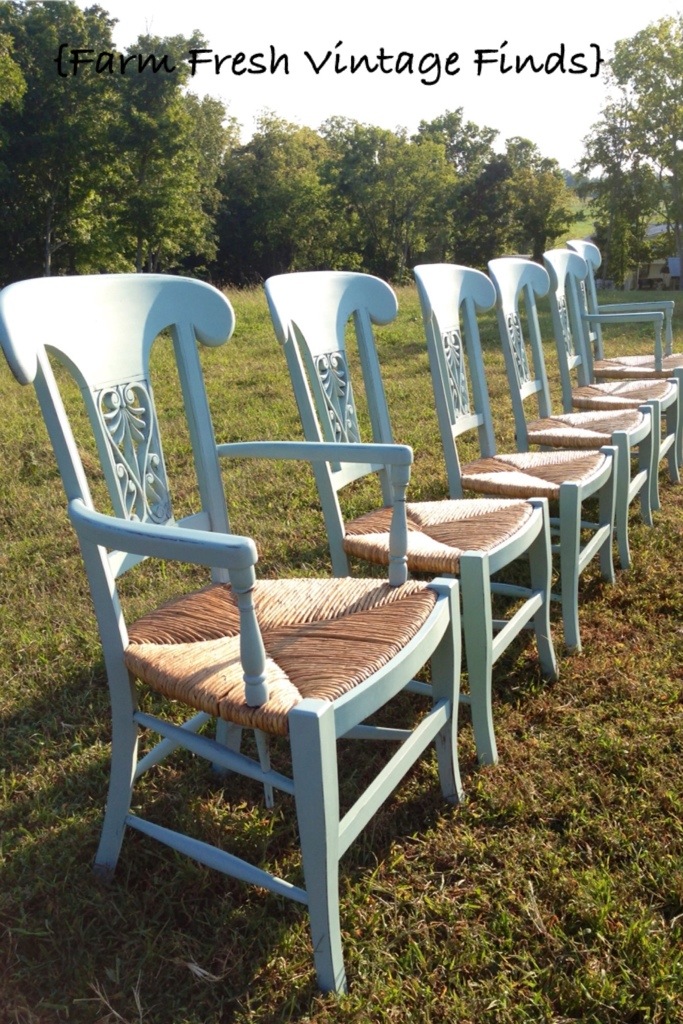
<point>112,172</point>
<point>633,162</point>
<point>102,172</point>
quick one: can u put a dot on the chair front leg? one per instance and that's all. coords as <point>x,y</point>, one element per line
<point>540,568</point>
<point>623,473</point>
<point>678,375</point>
<point>570,544</point>
<point>477,624</point>
<point>607,504</point>
<point>228,735</point>
<point>445,665</point>
<point>655,445</point>
<point>124,756</point>
<point>316,790</point>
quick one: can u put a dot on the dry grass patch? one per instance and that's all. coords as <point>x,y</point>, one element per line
<point>555,894</point>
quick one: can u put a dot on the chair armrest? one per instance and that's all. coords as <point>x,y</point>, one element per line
<point>655,317</point>
<point>319,451</point>
<point>397,457</point>
<point>199,547</point>
<point>626,317</point>
<point>665,305</point>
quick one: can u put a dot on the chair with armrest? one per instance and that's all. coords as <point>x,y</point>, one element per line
<point>307,659</point>
<point>662,363</point>
<point>470,538</point>
<point>518,282</point>
<point>450,297</point>
<point>580,390</point>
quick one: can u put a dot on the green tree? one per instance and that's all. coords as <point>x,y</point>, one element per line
<point>277,213</point>
<point>647,73</point>
<point>485,223</point>
<point>540,200</point>
<point>396,191</point>
<point>105,171</point>
<point>12,89</point>
<point>624,195</point>
<point>55,146</point>
<point>468,147</point>
<point>12,81</point>
<point>163,195</point>
<point>214,138</point>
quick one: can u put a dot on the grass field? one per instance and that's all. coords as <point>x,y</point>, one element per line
<point>554,894</point>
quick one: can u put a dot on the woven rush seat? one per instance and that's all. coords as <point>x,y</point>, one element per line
<point>439,531</point>
<point>583,429</point>
<point>322,638</point>
<point>637,367</point>
<point>626,394</point>
<point>518,474</point>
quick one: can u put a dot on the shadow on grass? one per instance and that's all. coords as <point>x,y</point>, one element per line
<point>165,933</point>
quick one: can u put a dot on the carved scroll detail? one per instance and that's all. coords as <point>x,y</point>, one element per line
<point>564,323</point>
<point>592,332</point>
<point>516,339</point>
<point>131,431</point>
<point>334,379</point>
<point>455,367</point>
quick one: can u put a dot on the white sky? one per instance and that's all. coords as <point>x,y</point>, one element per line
<point>554,110</point>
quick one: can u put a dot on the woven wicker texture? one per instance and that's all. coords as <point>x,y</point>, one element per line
<point>627,394</point>
<point>582,429</point>
<point>322,638</point>
<point>531,474</point>
<point>438,531</point>
<point>637,367</point>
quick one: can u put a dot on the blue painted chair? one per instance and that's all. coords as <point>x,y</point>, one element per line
<point>662,364</point>
<point>518,282</point>
<point>310,659</point>
<point>450,297</point>
<point>568,271</point>
<point>471,539</point>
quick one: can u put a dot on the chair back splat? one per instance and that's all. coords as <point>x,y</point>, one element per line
<point>450,297</point>
<point>310,313</point>
<point>307,659</point>
<point>471,538</point>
